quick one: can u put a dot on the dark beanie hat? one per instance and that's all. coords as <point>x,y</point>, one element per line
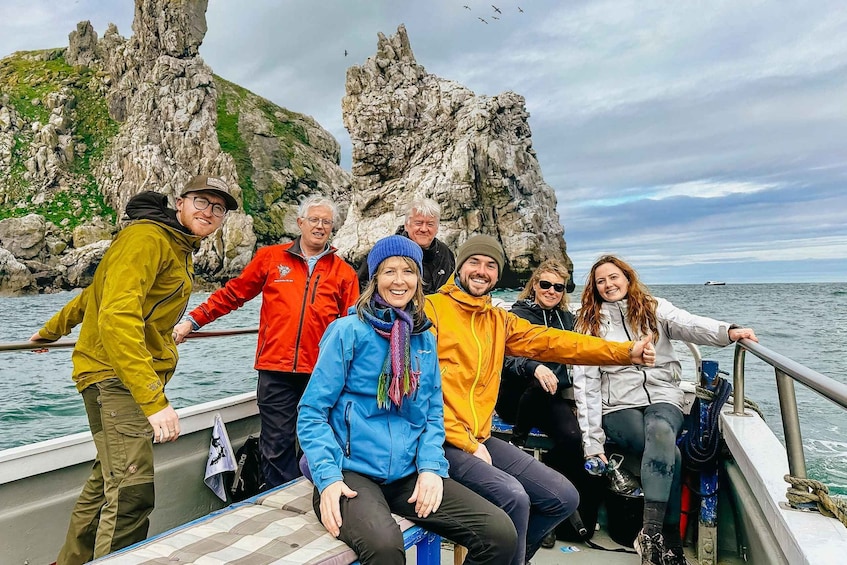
<point>481,245</point>
<point>394,246</point>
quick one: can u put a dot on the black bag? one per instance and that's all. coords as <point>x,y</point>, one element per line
<point>247,480</point>
<point>591,491</point>
<point>581,526</point>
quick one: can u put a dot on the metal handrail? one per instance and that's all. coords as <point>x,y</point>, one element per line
<point>787,371</point>
<point>65,343</point>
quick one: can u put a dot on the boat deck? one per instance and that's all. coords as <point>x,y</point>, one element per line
<point>577,553</point>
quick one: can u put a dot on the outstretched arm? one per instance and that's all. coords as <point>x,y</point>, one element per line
<point>64,320</point>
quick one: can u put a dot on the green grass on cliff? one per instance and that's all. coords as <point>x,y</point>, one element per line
<point>229,96</point>
<point>28,77</point>
<point>285,126</point>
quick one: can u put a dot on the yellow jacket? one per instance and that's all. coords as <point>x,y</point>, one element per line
<point>473,336</point>
<point>140,290</point>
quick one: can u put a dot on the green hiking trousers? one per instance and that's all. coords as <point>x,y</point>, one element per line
<point>113,510</point>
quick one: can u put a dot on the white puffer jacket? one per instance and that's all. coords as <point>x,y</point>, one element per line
<point>601,390</point>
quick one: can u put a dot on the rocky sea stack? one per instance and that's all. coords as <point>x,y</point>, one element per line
<point>84,128</point>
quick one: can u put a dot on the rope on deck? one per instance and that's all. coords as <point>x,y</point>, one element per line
<point>709,395</point>
<point>804,492</point>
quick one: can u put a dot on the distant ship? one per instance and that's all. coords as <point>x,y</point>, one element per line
<point>715,283</point>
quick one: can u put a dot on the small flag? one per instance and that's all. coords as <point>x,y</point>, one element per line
<point>221,459</point>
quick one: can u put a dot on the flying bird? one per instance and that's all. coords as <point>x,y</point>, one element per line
<point>496,9</point>
<point>494,18</point>
<point>519,10</point>
<point>467,7</point>
<point>483,21</point>
<point>345,52</point>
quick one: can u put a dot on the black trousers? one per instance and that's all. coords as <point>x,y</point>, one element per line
<point>277,395</point>
<point>463,517</point>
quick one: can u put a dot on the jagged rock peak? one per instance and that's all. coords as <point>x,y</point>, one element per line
<point>415,134</point>
<point>169,27</point>
<point>396,47</point>
<point>82,45</point>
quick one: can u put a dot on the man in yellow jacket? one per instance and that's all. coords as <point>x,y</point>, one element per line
<point>125,354</point>
<point>473,336</point>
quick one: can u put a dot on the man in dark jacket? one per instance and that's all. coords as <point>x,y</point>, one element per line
<point>421,226</point>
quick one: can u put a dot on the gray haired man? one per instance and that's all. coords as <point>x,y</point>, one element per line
<point>304,286</point>
<point>421,226</point>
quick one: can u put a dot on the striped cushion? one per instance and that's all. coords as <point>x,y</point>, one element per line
<point>278,527</point>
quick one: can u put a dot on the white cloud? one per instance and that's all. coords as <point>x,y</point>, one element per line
<point>708,189</point>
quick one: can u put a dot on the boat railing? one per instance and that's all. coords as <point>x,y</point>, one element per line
<point>67,343</point>
<point>787,372</point>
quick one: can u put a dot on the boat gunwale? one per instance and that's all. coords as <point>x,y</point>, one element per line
<point>57,453</point>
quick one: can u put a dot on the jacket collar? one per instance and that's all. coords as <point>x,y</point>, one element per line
<point>466,301</point>
<point>297,250</point>
<point>189,241</point>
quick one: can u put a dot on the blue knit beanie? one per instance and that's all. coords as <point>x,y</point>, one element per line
<point>394,246</point>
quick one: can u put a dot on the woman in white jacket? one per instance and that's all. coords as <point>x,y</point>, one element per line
<point>638,407</point>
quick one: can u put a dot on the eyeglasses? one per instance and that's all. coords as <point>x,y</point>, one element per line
<point>545,285</point>
<point>201,203</point>
<point>315,222</point>
<point>418,224</point>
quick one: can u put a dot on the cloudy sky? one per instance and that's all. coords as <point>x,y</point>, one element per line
<point>698,140</point>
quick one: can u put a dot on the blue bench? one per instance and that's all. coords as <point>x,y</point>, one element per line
<point>536,442</point>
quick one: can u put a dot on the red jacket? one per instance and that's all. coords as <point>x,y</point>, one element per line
<point>296,308</point>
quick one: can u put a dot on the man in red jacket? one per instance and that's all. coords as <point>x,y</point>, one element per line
<point>304,287</point>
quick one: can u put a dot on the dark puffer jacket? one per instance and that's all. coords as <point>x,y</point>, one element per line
<point>519,372</point>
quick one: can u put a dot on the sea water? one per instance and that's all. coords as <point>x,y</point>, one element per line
<point>805,322</point>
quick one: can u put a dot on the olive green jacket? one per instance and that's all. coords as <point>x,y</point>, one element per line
<point>140,290</point>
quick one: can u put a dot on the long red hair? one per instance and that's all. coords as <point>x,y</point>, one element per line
<point>641,306</point>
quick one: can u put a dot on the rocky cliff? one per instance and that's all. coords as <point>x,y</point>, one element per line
<point>415,134</point>
<point>84,128</point>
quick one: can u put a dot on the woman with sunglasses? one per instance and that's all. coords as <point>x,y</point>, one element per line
<point>640,408</point>
<point>540,395</point>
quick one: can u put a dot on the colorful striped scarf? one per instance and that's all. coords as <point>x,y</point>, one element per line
<point>397,379</point>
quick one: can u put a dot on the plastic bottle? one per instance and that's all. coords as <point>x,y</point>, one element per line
<point>595,466</point>
<point>621,480</point>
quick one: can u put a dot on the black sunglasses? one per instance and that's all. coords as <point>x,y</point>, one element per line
<point>558,287</point>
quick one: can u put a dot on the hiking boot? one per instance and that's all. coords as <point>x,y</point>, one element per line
<point>674,556</point>
<point>650,548</point>
<point>549,540</point>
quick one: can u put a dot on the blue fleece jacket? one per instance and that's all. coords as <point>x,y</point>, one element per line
<point>339,424</point>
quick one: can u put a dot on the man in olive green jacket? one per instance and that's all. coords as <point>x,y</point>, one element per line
<point>125,354</point>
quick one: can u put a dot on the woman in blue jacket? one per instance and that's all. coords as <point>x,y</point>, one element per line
<point>371,425</point>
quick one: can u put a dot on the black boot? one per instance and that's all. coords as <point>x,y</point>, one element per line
<point>519,437</point>
<point>549,540</point>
